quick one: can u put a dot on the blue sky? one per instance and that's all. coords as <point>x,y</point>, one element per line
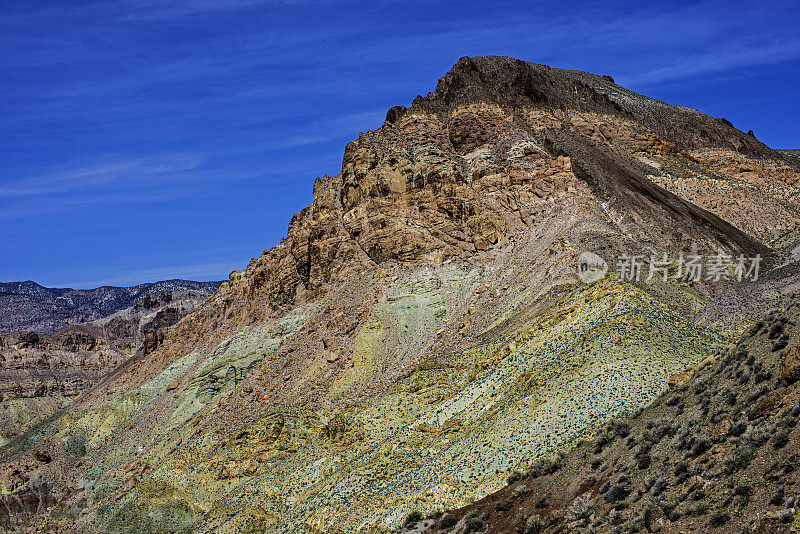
<point>143,139</point>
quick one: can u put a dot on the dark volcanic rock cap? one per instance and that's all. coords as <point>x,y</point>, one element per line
<point>516,83</point>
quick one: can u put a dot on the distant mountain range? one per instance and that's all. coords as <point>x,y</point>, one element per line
<point>31,306</point>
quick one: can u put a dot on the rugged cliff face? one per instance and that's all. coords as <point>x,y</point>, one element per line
<point>421,330</point>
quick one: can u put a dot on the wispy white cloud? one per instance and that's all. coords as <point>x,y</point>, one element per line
<point>49,196</point>
<point>320,131</point>
<point>717,61</point>
<point>164,10</point>
<point>78,179</point>
<point>143,9</point>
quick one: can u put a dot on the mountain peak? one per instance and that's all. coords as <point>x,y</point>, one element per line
<point>519,84</point>
<point>509,81</point>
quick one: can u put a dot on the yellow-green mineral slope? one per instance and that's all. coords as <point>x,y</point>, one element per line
<point>421,331</point>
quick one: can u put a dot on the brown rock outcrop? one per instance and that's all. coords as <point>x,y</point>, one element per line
<point>790,365</point>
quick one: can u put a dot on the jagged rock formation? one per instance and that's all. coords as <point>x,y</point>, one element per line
<point>421,330</point>
<point>28,306</point>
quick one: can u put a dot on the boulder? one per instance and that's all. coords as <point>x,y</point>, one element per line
<point>790,365</point>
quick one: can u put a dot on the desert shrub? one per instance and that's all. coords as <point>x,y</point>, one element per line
<point>667,507</point>
<point>534,525</point>
<point>743,376</point>
<point>514,477</point>
<point>759,437</point>
<point>718,416</point>
<point>780,439</point>
<point>757,394</point>
<point>738,354</point>
<point>447,521</point>
<point>694,445</point>
<point>473,524</point>
<point>661,427</point>
<point>580,508</point>
<point>738,428</point>
<point>547,466</point>
<point>504,505</point>
<point>719,518</point>
<point>618,491</point>
<point>698,509</point>
<point>700,445</point>
<point>681,468</point>
<point>740,458</point>
<point>763,376</point>
<point>75,444</point>
<point>700,386</point>
<point>683,441</point>
<point>696,469</point>
<point>622,429</point>
<point>778,497</point>
<point>644,461</point>
<point>604,438</point>
<point>780,343</point>
<point>776,330</point>
<point>755,329</point>
<point>698,494</point>
<point>412,519</point>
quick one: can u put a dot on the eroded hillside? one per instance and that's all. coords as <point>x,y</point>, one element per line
<point>715,453</point>
<point>421,331</point>
<point>41,374</point>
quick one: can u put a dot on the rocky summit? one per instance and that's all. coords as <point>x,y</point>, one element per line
<point>421,337</point>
